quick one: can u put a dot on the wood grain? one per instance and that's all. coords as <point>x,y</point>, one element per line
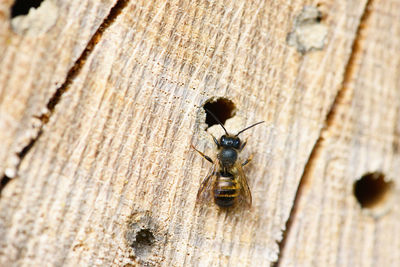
<point>112,179</point>
<point>329,227</point>
<point>34,65</point>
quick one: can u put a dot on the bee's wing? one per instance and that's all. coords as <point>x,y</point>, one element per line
<point>245,194</point>
<point>205,190</point>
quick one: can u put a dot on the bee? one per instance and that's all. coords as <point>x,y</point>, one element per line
<point>226,181</point>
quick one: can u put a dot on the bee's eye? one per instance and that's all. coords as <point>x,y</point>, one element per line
<point>223,139</point>
<point>236,143</point>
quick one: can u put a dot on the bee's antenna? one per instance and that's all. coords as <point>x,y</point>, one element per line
<point>249,127</point>
<point>215,117</point>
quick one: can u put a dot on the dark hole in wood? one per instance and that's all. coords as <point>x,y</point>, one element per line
<point>21,7</point>
<point>141,242</point>
<point>372,189</point>
<point>222,108</point>
<point>144,238</point>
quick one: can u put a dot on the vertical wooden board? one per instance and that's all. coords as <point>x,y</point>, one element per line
<point>37,52</point>
<point>112,179</point>
<point>329,227</point>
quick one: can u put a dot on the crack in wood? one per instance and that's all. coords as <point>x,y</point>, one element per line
<point>74,71</point>
<point>331,115</point>
<point>71,75</point>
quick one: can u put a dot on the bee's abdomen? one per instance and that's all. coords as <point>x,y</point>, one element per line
<point>225,191</point>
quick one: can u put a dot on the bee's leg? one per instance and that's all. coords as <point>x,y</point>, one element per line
<point>243,145</point>
<point>247,160</point>
<point>202,154</point>
<point>215,140</point>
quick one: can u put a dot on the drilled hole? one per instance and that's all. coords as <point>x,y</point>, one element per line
<point>21,7</point>
<point>141,241</point>
<point>372,190</point>
<point>144,237</point>
<point>33,17</point>
<point>222,108</point>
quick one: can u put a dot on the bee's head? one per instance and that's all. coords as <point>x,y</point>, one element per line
<point>230,141</point>
<point>227,140</point>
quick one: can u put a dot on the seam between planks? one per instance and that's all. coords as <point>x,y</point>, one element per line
<point>71,75</point>
<point>331,115</point>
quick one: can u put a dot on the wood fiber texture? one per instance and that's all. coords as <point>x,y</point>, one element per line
<point>116,90</point>
<point>34,63</point>
<point>362,137</point>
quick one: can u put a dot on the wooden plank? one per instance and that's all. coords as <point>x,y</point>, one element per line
<point>37,51</point>
<point>112,179</point>
<point>329,226</point>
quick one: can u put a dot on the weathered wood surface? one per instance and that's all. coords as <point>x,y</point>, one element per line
<point>34,61</point>
<point>111,179</point>
<point>328,226</point>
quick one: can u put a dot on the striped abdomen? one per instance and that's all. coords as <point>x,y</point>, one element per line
<point>225,190</point>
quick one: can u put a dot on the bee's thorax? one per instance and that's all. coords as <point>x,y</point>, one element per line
<point>227,156</point>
